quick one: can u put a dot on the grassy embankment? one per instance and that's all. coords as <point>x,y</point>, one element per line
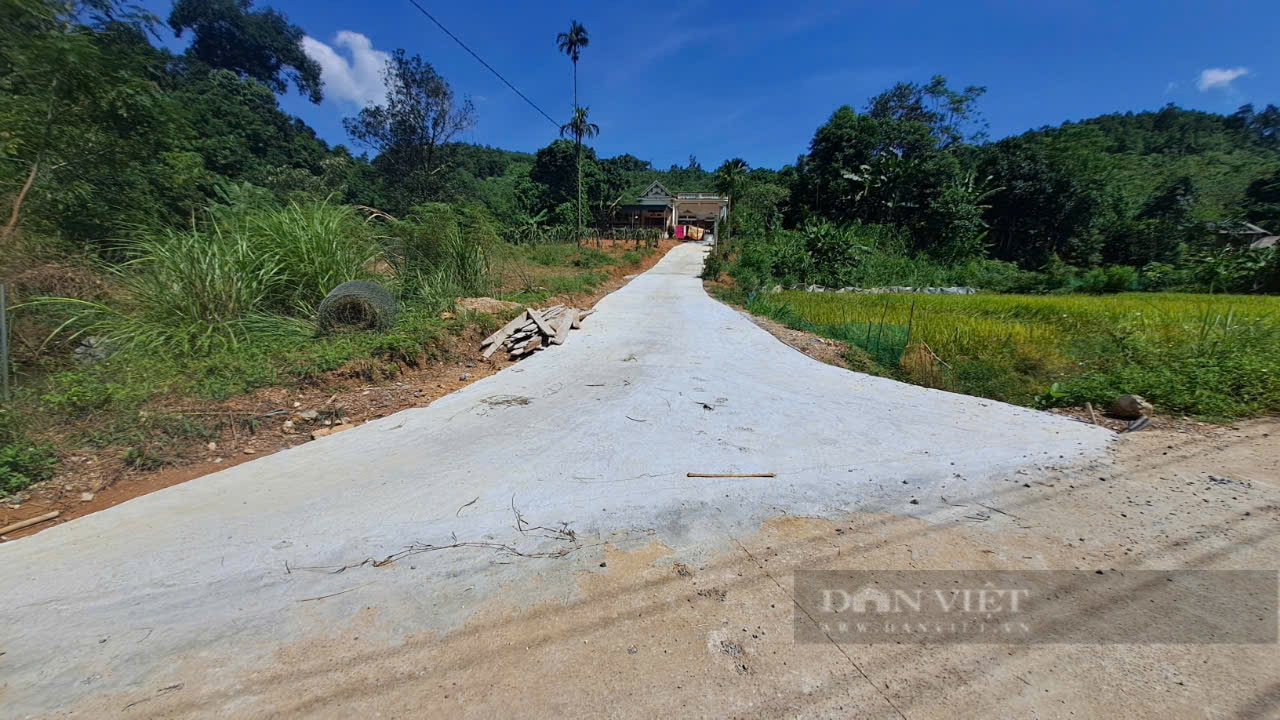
<point>1211,356</point>
<point>188,318</point>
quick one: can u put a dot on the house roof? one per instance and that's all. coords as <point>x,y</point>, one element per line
<point>657,195</point>
<point>656,189</point>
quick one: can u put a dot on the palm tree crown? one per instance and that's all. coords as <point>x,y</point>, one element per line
<point>572,42</point>
<point>579,127</point>
<point>731,174</point>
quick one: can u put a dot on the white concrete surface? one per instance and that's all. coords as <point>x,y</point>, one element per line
<point>614,420</point>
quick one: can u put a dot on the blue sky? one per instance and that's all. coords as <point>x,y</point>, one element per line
<point>754,79</point>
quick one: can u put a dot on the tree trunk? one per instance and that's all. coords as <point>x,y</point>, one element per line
<point>578,137</point>
<point>728,226</point>
<point>10,226</point>
<point>578,164</point>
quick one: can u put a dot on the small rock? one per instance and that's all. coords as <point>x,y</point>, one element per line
<point>288,426</point>
<point>91,350</point>
<point>464,376</point>
<point>297,404</point>
<point>249,451</point>
<point>212,446</point>
<point>309,415</point>
<point>86,496</point>
<point>1130,407</point>
<point>324,432</point>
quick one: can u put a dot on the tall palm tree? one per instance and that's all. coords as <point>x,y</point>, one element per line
<point>729,178</point>
<point>579,127</point>
<point>571,44</point>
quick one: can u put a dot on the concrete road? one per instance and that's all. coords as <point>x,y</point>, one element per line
<point>536,473</point>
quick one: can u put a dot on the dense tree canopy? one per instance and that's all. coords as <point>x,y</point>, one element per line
<point>1133,188</point>
<point>951,115</point>
<point>260,44</point>
<point>1262,199</point>
<point>419,115</point>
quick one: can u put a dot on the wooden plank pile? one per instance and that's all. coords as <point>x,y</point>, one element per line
<point>534,330</point>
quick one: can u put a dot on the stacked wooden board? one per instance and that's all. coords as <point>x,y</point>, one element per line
<point>534,330</point>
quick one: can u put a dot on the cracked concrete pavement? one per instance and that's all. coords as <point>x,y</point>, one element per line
<point>588,444</point>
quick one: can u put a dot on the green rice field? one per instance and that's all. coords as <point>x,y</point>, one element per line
<point>1210,356</point>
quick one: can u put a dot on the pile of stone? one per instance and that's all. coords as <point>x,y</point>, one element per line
<point>534,330</point>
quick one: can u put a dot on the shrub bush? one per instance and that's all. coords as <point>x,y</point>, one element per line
<point>1113,279</point>
<point>77,393</point>
<point>23,464</point>
<point>240,272</point>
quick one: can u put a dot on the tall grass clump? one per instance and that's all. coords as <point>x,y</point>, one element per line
<point>319,245</point>
<point>458,269</point>
<point>240,272</point>
<point>442,251</point>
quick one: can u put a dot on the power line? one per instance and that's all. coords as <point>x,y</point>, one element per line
<point>463,45</point>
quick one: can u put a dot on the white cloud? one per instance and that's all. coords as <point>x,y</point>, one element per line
<point>1211,78</point>
<point>357,80</point>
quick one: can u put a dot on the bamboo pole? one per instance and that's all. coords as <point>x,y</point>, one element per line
<point>29,522</point>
